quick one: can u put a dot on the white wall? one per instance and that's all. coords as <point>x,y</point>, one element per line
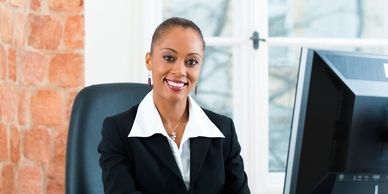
<point>117,36</point>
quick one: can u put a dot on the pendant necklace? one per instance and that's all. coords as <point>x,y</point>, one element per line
<point>173,130</point>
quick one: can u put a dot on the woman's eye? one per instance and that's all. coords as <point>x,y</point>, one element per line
<point>168,58</point>
<point>192,62</point>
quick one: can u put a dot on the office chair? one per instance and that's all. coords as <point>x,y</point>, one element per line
<point>91,106</point>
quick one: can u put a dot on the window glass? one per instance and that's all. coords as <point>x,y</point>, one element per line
<point>331,18</point>
<point>213,17</point>
<point>215,82</point>
<point>283,70</point>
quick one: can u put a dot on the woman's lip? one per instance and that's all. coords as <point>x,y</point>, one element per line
<point>175,85</point>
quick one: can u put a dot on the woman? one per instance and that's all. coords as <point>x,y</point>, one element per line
<point>167,143</point>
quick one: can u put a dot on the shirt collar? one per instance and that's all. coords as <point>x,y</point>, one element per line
<point>148,122</point>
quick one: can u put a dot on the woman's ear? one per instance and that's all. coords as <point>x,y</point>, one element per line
<point>148,61</point>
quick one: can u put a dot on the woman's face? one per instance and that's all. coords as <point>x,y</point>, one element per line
<point>175,63</point>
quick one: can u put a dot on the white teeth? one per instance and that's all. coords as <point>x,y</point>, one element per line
<point>175,84</point>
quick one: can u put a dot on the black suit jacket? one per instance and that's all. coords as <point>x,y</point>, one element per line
<point>147,165</point>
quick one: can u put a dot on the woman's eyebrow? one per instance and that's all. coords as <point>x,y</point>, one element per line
<point>173,50</point>
<point>170,49</point>
<point>197,54</point>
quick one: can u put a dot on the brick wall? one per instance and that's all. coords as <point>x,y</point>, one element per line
<point>41,70</point>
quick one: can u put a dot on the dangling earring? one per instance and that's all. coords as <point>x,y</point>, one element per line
<point>196,89</point>
<point>149,80</point>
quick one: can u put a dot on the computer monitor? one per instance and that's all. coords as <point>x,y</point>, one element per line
<point>338,142</point>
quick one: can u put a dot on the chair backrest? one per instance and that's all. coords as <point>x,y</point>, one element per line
<point>91,106</point>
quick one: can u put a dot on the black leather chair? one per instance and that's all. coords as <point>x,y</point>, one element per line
<point>91,106</point>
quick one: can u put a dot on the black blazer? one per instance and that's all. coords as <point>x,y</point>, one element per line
<point>147,165</point>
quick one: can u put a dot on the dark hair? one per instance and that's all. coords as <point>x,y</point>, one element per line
<point>173,22</point>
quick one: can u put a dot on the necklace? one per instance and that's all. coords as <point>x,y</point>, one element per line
<point>173,130</point>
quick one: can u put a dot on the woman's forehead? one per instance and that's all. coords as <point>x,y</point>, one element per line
<point>180,39</point>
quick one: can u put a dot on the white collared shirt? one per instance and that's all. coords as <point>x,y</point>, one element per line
<point>148,122</point>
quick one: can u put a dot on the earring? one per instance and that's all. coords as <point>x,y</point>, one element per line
<point>196,89</point>
<point>149,80</point>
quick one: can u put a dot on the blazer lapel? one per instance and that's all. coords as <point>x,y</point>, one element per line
<point>198,149</point>
<point>159,146</point>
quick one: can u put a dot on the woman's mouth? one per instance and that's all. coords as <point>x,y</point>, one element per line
<point>176,85</point>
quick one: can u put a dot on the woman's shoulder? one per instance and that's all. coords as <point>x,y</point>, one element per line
<point>215,116</point>
<point>223,123</point>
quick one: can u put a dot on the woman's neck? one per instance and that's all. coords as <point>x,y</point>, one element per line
<point>171,111</point>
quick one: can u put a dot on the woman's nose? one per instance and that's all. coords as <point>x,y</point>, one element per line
<point>179,68</point>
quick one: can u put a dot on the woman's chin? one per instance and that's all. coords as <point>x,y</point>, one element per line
<point>173,95</point>
<point>177,96</point>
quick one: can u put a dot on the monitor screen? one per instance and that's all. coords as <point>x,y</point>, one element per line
<point>339,134</point>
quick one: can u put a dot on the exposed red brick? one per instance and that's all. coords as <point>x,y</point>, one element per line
<point>66,5</point>
<point>37,144</point>
<point>23,107</point>
<point>74,32</point>
<point>19,28</point>
<point>35,101</point>
<point>55,187</point>
<point>7,179</point>
<point>15,145</point>
<point>46,32</point>
<point>3,56</point>
<point>12,64</point>
<point>57,167</point>
<point>8,103</point>
<point>67,70</point>
<point>3,143</point>
<point>70,101</point>
<point>33,68</point>
<point>35,4</point>
<point>47,108</point>
<point>29,180</point>
<point>6,24</point>
<point>17,3</point>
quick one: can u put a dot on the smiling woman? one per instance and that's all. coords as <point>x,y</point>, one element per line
<point>168,143</point>
<point>175,66</point>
